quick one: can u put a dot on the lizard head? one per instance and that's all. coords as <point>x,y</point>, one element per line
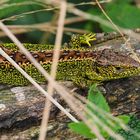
<point>112,64</point>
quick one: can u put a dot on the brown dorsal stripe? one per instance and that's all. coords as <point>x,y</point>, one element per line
<point>46,56</point>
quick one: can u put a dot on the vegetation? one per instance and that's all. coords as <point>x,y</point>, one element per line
<point>36,22</point>
<point>35,18</point>
<point>95,97</point>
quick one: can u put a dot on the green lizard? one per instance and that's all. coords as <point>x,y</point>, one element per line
<point>82,65</point>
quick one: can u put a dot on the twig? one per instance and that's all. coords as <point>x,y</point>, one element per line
<point>58,41</point>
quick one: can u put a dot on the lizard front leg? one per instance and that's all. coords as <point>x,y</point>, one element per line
<point>78,40</point>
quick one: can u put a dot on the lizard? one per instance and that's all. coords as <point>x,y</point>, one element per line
<point>78,62</point>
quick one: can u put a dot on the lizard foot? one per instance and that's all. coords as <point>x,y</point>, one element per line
<point>77,40</point>
<point>87,38</point>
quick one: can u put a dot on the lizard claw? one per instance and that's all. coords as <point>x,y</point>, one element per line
<point>77,40</point>
<point>86,38</point>
<point>90,37</point>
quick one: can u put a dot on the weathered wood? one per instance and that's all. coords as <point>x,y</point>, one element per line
<point>22,108</point>
<point>124,95</point>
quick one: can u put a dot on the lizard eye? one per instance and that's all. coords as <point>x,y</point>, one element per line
<point>119,68</point>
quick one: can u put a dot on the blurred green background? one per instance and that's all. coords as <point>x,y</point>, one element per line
<point>32,15</point>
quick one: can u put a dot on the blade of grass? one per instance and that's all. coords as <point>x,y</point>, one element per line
<point>47,108</point>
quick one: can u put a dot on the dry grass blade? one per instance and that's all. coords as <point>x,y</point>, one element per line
<point>15,17</point>
<point>115,26</point>
<point>92,3</point>
<point>3,1</point>
<point>47,108</point>
<point>45,27</point>
<point>19,4</point>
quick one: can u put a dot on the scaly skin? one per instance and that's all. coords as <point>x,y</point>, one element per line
<point>82,65</point>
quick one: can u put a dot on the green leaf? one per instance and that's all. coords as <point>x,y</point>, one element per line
<point>19,7</point>
<point>121,12</point>
<point>81,129</point>
<point>124,118</point>
<point>122,2</point>
<point>14,7</point>
<point>134,124</point>
<point>96,97</point>
<point>127,12</point>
